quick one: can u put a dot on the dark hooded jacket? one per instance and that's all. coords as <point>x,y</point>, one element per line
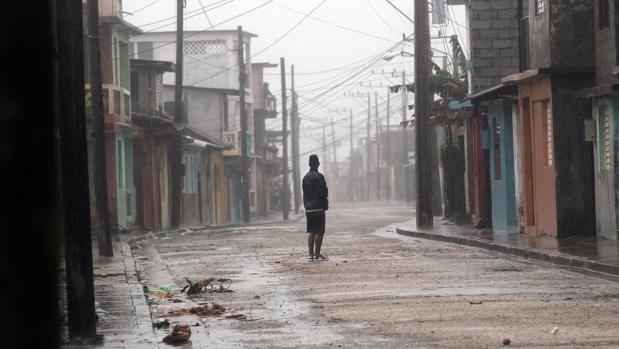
<point>315,191</point>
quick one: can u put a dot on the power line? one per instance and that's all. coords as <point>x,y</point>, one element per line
<point>270,45</point>
<point>335,24</point>
<point>381,18</point>
<point>211,27</point>
<point>400,11</point>
<point>145,6</point>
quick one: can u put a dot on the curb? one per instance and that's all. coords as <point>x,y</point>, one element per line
<point>532,254</point>
<point>140,237</point>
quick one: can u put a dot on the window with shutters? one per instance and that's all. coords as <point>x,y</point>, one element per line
<point>539,7</point>
<point>604,142</point>
<point>190,182</point>
<point>547,147</point>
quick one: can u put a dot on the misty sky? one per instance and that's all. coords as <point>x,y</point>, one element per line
<point>331,62</point>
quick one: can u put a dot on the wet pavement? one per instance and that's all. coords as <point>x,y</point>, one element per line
<point>123,315</point>
<point>378,289</point>
<point>599,252</point>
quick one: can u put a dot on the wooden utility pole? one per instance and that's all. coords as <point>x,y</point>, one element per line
<point>296,171</point>
<point>367,147</point>
<point>244,146</point>
<point>335,167</point>
<point>74,171</point>
<point>423,158</point>
<point>352,183</point>
<point>285,189</point>
<point>325,153</point>
<point>377,146</point>
<point>404,160</point>
<point>388,146</point>
<point>176,152</point>
<point>104,233</point>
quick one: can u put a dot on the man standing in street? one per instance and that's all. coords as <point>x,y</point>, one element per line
<point>315,201</point>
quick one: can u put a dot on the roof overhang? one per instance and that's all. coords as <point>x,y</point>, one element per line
<point>147,64</point>
<point>119,22</point>
<point>598,91</point>
<point>501,91</point>
<point>533,73</point>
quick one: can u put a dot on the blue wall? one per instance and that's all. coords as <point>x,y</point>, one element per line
<point>503,187</point>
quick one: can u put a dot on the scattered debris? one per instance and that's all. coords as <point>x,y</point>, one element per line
<point>177,312</point>
<point>198,287</point>
<point>214,310</point>
<point>196,324</point>
<point>180,334</point>
<point>475,302</point>
<point>256,297</point>
<point>162,324</point>
<point>554,330</point>
<point>145,288</point>
<point>165,288</point>
<point>236,316</point>
<point>507,341</point>
<point>163,294</point>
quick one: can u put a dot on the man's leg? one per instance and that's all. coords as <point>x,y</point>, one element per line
<point>318,244</point>
<point>310,244</point>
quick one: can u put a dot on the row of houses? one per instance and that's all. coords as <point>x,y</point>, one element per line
<point>538,131</point>
<point>138,91</point>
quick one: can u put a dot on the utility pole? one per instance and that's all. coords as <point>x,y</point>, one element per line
<point>404,160</point>
<point>294,119</point>
<point>388,146</point>
<point>325,154</point>
<point>352,183</point>
<point>367,146</point>
<point>244,162</point>
<point>335,167</point>
<point>74,171</point>
<point>377,146</point>
<point>176,145</point>
<point>286,189</point>
<point>425,216</point>
<point>104,233</point>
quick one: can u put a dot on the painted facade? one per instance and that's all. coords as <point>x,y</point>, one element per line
<point>603,131</point>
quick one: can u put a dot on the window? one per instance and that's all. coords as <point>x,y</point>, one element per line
<point>496,138</point>
<point>190,182</point>
<point>547,131</point>
<point>604,156</point>
<point>539,7</point>
<point>603,13</point>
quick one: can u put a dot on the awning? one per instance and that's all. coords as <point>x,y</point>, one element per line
<point>495,92</point>
<point>598,91</point>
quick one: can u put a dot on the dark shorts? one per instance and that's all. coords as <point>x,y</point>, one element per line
<point>315,222</point>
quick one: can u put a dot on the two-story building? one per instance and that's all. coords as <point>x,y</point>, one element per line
<point>264,108</point>
<point>114,34</point>
<point>558,184</point>
<point>604,128</point>
<point>211,85</point>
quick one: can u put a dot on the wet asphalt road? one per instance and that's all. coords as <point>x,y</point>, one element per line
<point>378,289</point>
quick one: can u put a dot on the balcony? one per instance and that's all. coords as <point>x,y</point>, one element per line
<point>232,141</point>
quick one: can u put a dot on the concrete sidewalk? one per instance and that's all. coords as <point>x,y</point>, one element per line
<point>579,252</point>
<point>124,316</point>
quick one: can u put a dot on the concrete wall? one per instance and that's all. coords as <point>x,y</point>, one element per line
<point>573,156</point>
<point>562,36</point>
<point>605,46</point>
<point>216,69</point>
<point>605,179</point>
<point>494,41</point>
